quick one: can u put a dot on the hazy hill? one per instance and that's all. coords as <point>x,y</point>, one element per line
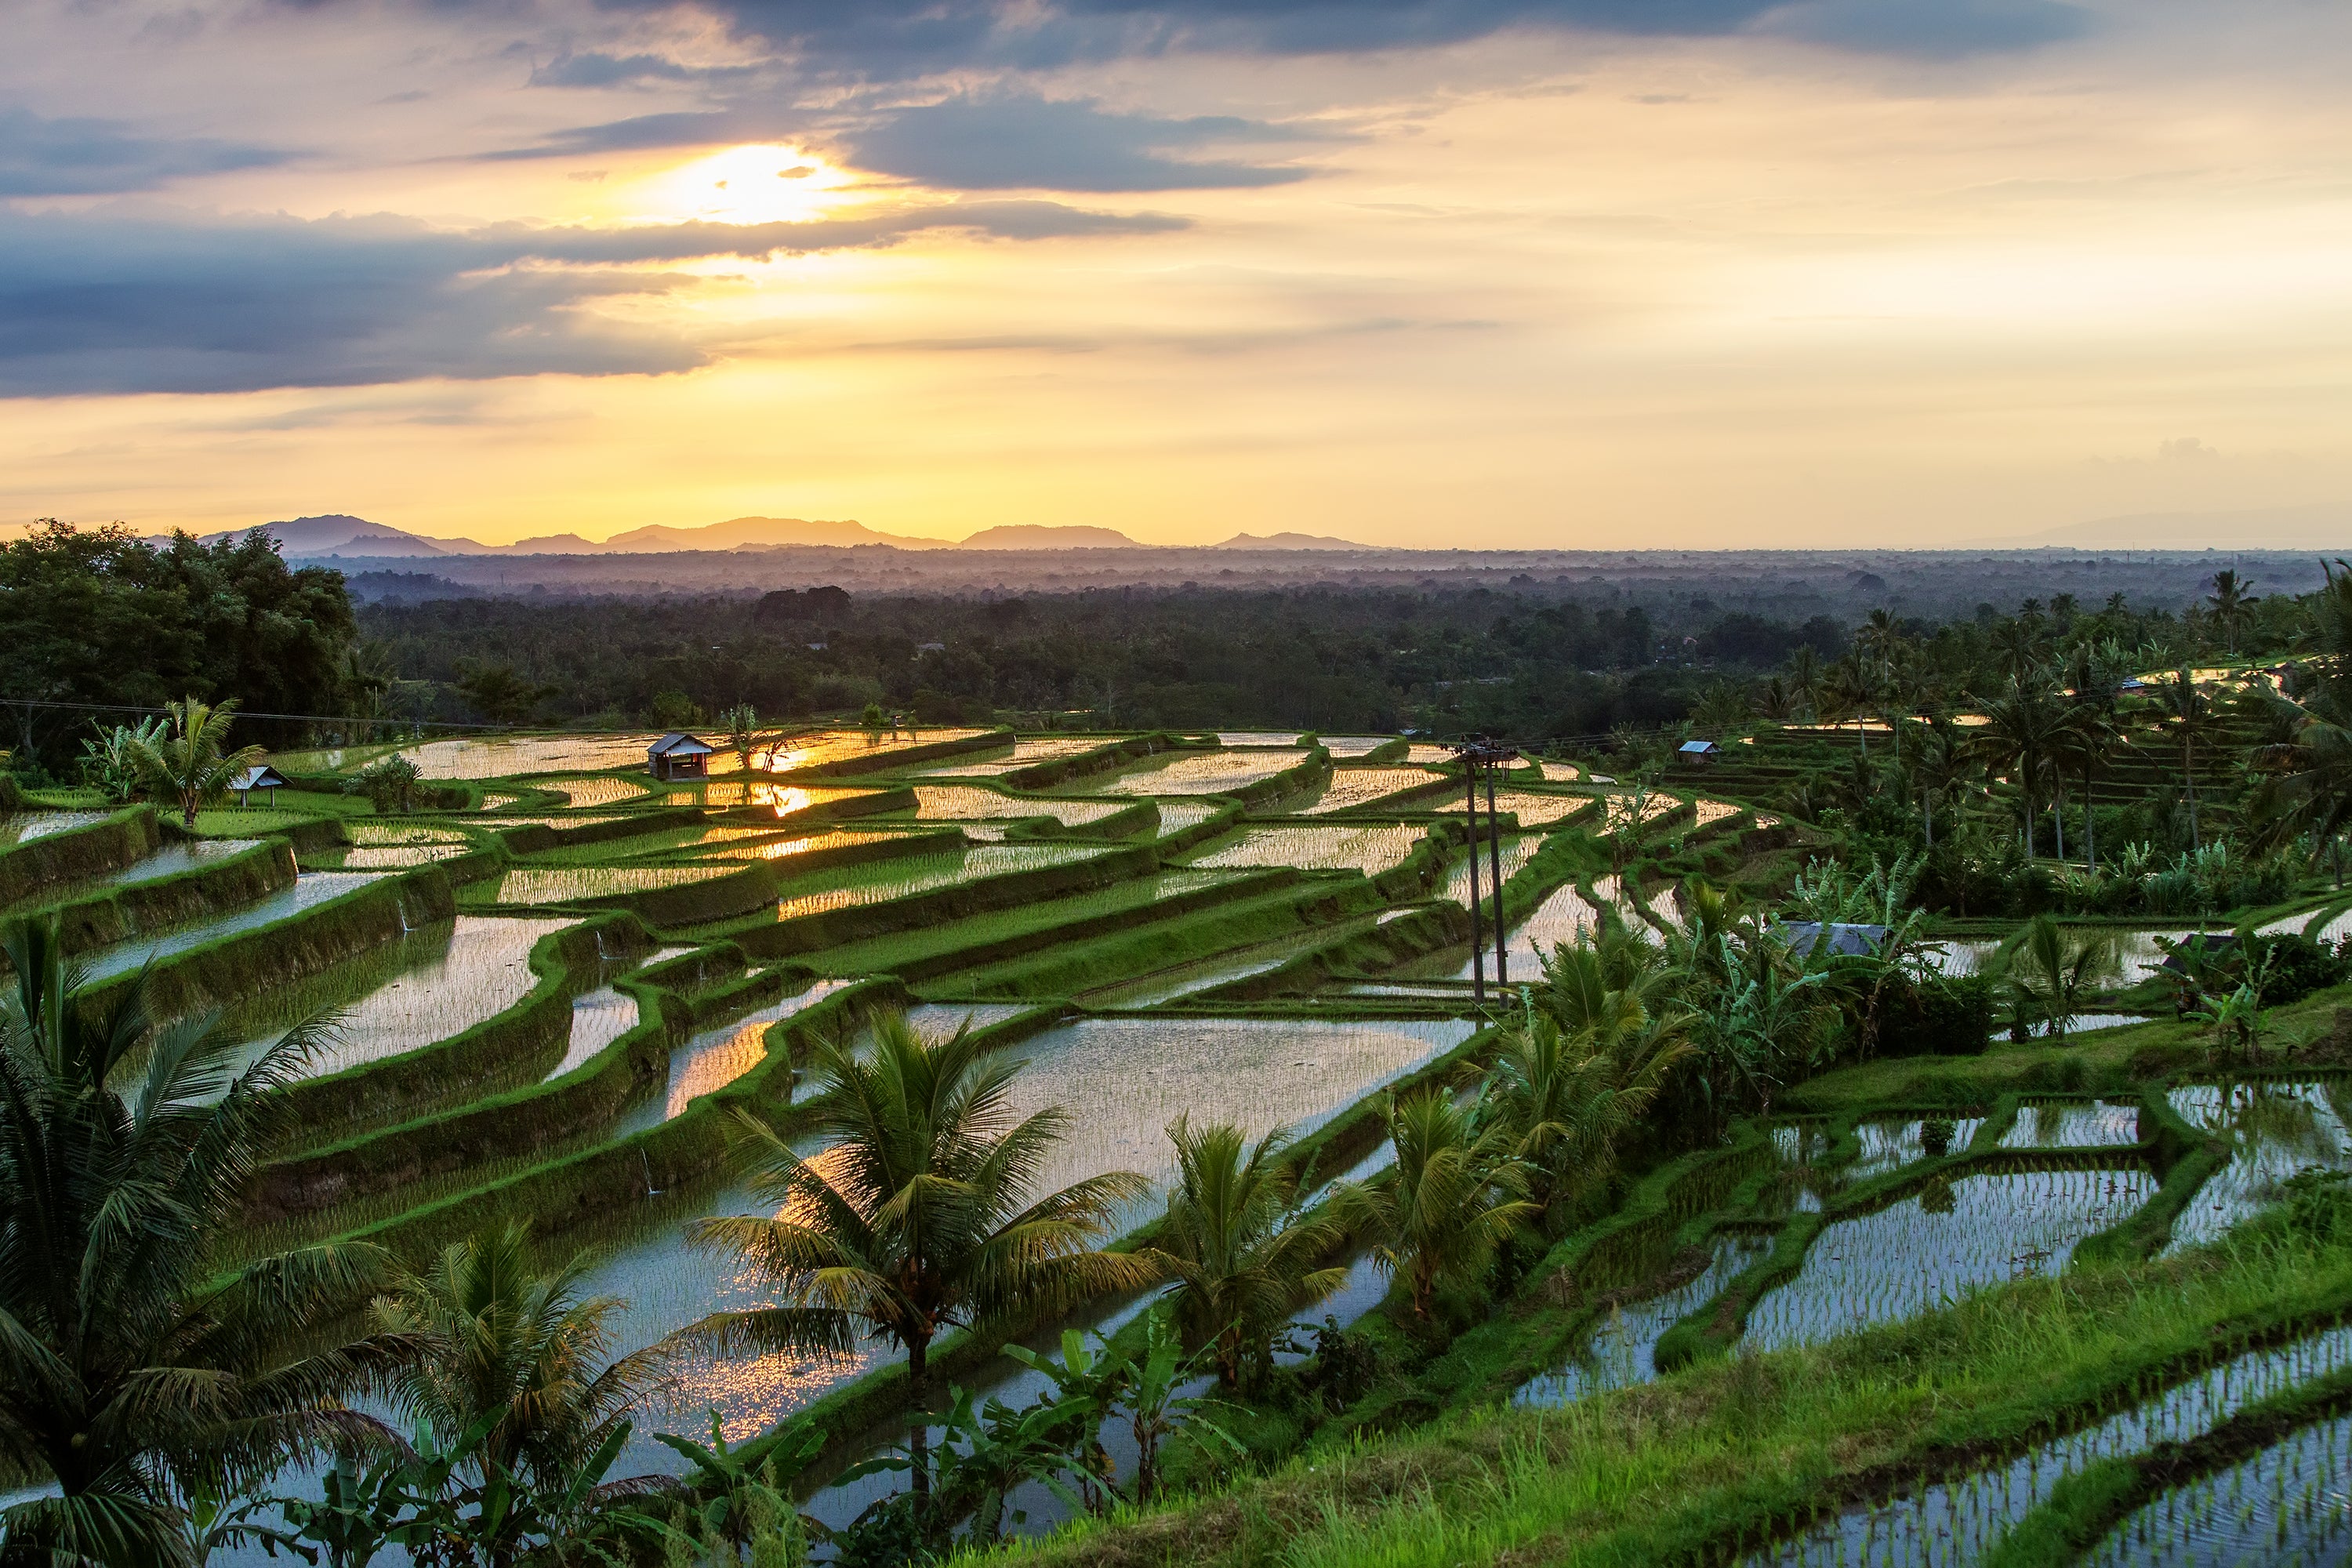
<point>337,535</point>
<point>1289,541</point>
<point>1042,536</point>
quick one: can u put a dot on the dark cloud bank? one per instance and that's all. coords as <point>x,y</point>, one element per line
<point>174,302</point>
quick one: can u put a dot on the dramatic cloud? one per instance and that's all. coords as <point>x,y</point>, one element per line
<point>172,302</point>
<point>886,39</point>
<point>1035,144</point>
<point>42,157</point>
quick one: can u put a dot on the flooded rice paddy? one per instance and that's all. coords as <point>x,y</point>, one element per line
<point>536,885</point>
<point>1372,849</point>
<point>1177,815</point>
<point>25,828</point>
<point>1955,1237</point>
<point>2274,1130</point>
<point>598,1018</point>
<point>1192,773</point>
<point>1516,851</point>
<point>600,789</point>
<point>849,886</point>
<point>1892,1143</point>
<point>730,844</point>
<point>442,979</point>
<point>1353,787</point>
<point>1959,1522</point>
<point>528,754</point>
<point>783,799</point>
<point>1623,1349</point>
<point>2289,1505</point>
<point>1025,753</point>
<point>309,890</point>
<point>168,862</point>
<point>2076,1124</point>
<point>1532,809</point>
<point>954,802</point>
<point>717,1057</point>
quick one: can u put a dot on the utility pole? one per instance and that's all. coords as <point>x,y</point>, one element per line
<point>1479,754</point>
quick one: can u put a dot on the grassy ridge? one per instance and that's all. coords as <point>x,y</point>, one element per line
<point>76,853</point>
<point>1734,1454</point>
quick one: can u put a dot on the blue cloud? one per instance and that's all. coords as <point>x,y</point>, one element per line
<point>75,157</point>
<point>1021,143</point>
<point>898,39</point>
<point>148,301</point>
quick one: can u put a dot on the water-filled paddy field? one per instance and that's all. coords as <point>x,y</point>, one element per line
<point>954,802</point>
<point>1955,1236</point>
<point>309,890</point>
<point>1193,773</point>
<point>1364,786</point>
<point>1372,849</point>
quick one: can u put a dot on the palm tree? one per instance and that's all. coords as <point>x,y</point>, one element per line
<point>2183,714</point>
<point>2021,728</point>
<point>133,1370</point>
<point>1852,686</point>
<point>1569,1100</point>
<point>1944,758</point>
<point>520,1359</point>
<point>187,765</point>
<point>1242,1257</point>
<point>2054,973</point>
<point>918,1216</point>
<point>2230,601</point>
<point>1805,678</point>
<point>1451,1201</point>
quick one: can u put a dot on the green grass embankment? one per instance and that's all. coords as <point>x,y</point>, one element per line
<point>1726,1456</point>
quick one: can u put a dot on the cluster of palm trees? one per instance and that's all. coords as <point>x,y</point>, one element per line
<point>183,757</point>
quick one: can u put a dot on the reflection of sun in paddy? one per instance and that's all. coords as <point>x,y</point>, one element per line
<point>759,184</point>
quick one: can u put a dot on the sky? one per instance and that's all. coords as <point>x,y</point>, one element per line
<point>1476,273</point>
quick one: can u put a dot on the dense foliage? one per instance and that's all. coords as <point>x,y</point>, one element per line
<point>98,616</point>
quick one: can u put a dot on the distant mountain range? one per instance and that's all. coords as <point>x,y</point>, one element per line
<point>338,535</point>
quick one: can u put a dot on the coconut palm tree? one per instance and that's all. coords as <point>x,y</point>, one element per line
<point>2023,727</point>
<point>2230,601</point>
<point>1454,1197</point>
<point>918,1215</point>
<point>1852,687</point>
<point>1240,1256</point>
<point>188,765</point>
<point>520,1361</point>
<point>2184,716</point>
<point>134,1370</point>
<point>1569,1098</point>
<point>1943,761</point>
<point>2054,971</point>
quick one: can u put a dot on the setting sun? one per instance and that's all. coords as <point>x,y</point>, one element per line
<point>758,184</point>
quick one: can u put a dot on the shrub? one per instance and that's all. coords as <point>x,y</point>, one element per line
<point>1940,1017</point>
<point>389,783</point>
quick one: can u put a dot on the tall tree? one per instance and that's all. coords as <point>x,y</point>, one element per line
<point>2023,726</point>
<point>919,1214</point>
<point>1568,1098</point>
<point>132,1372</point>
<point>1451,1199</point>
<point>2183,715</point>
<point>1241,1256</point>
<point>2229,602</point>
<point>190,764</point>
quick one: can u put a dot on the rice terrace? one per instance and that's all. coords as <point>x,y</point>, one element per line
<point>1899,1116</point>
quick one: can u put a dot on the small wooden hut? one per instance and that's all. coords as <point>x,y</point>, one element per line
<point>678,755</point>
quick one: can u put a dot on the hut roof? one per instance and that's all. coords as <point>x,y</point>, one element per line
<point>678,743</point>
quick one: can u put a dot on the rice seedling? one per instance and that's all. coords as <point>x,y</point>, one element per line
<point>2274,1130</point>
<point>1354,745</point>
<point>850,886</point>
<point>1176,815</point>
<point>309,890</point>
<point>1372,849</point>
<point>958,802</point>
<point>509,755</point>
<point>426,986</point>
<point>1025,753</point>
<point>1352,787</point>
<point>532,884</point>
<point>1535,810</point>
<point>933,1019</point>
<point>1195,772</point>
<point>1623,1349</point>
<point>598,789</point>
<point>1957,1522</point>
<point>1714,810</point>
<point>1940,1243</point>
<point>2289,1505</point>
<point>1515,852</point>
<point>389,857</point>
<point>1426,755</point>
<point>2073,1124</point>
<point>381,834</point>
